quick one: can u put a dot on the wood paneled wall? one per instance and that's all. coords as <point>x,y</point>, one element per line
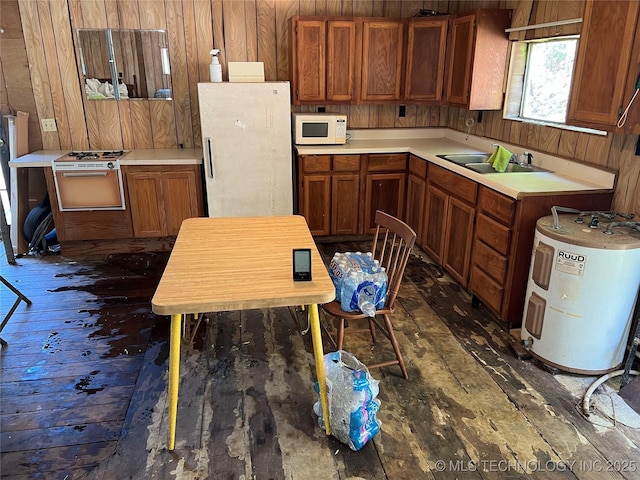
<point>257,30</point>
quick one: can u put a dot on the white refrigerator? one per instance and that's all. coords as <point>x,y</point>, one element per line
<point>246,138</point>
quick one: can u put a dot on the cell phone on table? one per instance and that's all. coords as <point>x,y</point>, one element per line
<point>301,264</point>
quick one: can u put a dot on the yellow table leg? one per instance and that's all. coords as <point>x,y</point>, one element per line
<point>174,376</point>
<point>318,355</point>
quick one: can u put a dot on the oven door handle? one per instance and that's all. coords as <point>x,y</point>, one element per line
<point>212,172</point>
<point>83,174</point>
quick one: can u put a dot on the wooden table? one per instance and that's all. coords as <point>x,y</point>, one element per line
<point>239,263</point>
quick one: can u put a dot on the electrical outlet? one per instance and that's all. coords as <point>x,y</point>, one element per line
<point>49,125</point>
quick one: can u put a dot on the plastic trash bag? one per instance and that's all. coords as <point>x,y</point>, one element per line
<point>353,405</point>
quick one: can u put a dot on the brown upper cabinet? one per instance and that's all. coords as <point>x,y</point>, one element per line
<point>426,50</point>
<point>382,45</point>
<point>346,60</point>
<point>478,48</point>
<point>603,65</point>
<point>323,60</point>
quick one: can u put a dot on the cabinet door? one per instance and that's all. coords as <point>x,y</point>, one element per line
<point>458,240</point>
<point>345,203</point>
<point>341,62</point>
<point>308,60</point>
<point>381,60</point>
<point>147,209</point>
<point>602,62</point>
<point>436,207</point>
<point>179,190</point>
<point>459,77</point>
<point>385,192</point>
<point>316,205</point>
<point>416,188</point>
<point>426,45</point>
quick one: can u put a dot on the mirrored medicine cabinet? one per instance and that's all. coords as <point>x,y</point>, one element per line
<point>137,61</point>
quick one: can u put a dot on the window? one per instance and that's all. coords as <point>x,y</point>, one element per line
<point>540,75</point>
<point>547,83</point>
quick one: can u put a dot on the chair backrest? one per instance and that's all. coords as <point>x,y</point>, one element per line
<point>392,245</point>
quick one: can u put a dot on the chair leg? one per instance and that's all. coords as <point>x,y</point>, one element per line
<point>340,333</point>
<point>396,347</point>
<point>372,329</point>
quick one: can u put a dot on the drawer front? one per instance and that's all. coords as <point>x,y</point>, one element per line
<point>346,163</point>
<point>494,234</point>
<point>487,289</point>
<point>394,161</point>
<point>417,166</point>
<point>496,205</point>
<point>316,163</point>
<point>487,259</point>
<point>455,184</point>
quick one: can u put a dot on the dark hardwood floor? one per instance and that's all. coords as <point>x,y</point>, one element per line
<point>73,359</point>
<point>84,378</point>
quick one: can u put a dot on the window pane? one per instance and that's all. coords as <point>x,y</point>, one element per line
<point>548,80</point>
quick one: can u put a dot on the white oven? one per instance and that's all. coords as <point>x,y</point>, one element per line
<point>89,181</point>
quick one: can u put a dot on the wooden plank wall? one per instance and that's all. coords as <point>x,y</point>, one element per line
<point>257,30</point>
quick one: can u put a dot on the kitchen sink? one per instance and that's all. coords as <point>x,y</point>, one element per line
<point>511,168</point>
<point>464,158</point>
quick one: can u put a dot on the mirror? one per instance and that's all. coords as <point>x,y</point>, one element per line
<point>135,60</point>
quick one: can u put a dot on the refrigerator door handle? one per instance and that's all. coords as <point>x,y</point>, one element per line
<point>212,173</point>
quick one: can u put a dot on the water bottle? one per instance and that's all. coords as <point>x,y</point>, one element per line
<point>348,297</point>
<point>367,298</point>
<point>380,281</point>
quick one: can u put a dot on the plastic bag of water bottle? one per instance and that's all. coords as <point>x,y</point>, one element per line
<point>361,284</point>
<point>352,399</point>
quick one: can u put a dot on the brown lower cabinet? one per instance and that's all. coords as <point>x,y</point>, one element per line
<point>484,239</point>
<point>449,218</point>
<point>329,193</point>
<point>503,242</point>
<point>386,176</point>
<point>160,198</point>
<point>339,194</point>
<point>416,191</point>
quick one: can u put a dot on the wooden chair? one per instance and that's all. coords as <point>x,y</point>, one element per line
<point>391,246</point>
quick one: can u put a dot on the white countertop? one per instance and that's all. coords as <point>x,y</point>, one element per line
<point>563,175</point>
<point>158,156</point>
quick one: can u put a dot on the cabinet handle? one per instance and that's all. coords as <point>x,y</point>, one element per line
<point>88,174</point>
<point>212,173</point>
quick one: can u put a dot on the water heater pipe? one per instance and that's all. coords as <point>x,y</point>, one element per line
<point>587,396</point>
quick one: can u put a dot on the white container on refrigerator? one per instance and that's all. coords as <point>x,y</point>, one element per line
<point>246,137</point>
<point>581,293</point>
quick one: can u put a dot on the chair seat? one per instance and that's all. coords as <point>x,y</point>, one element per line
<point>334,308</point>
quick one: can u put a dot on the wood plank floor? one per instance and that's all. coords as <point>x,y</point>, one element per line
<point>84,378</point>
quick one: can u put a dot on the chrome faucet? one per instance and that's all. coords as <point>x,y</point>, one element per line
<point>526,163</point>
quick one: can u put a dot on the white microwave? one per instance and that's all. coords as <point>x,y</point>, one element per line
<point>319,129</point>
